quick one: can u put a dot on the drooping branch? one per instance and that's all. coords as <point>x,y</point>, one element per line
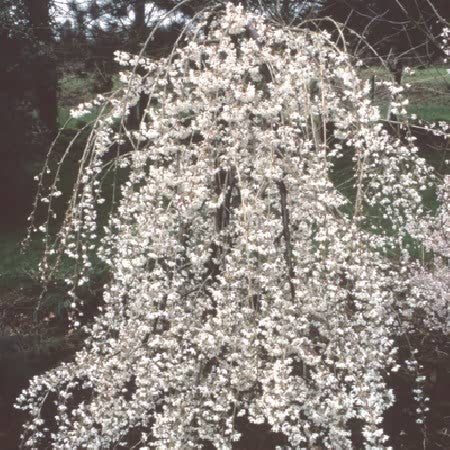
<point>287,235</point>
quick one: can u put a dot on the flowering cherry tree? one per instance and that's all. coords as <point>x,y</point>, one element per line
<point>244,282</point>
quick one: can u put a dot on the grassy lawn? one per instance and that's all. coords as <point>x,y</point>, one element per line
<point>429,93</point>
<point>74,90</point>
<point>17,269</point>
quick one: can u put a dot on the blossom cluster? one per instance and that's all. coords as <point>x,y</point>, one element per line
<point>244,282</point>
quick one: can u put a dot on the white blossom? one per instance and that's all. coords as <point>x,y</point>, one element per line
<point>244,283</point>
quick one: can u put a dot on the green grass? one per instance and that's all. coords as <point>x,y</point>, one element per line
<point>64,116</point>
<point>18,269</point>
<point>432,76</point>
<point>429,93</point>
<point>74,90</point>
<point>430,112</point>
<point>436,75</point>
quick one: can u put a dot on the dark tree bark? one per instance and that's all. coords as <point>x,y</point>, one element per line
<point>139,34</point>
<point>139,21</point>
<point>285,10</point>
<point>45,77</point>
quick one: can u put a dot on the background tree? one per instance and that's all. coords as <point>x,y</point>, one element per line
<point>45,77</point>
<point>28,96</point>
<point>398,29</point>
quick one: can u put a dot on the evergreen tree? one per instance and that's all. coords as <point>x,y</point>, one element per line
<point>22,94</point>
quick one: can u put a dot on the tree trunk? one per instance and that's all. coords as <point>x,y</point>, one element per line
<point>45,77</point>
<point>139,34</point>
<point>285,10</point>
<point>139,21</point>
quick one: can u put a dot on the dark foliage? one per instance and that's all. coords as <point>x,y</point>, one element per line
<point>399,28</point>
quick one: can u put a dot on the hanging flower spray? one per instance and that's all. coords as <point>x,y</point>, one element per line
<point>244,283</point>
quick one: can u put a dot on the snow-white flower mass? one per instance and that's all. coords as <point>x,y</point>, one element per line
<point>244,283</point>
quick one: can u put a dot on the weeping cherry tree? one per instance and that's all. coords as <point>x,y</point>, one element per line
<point>246,283</point>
